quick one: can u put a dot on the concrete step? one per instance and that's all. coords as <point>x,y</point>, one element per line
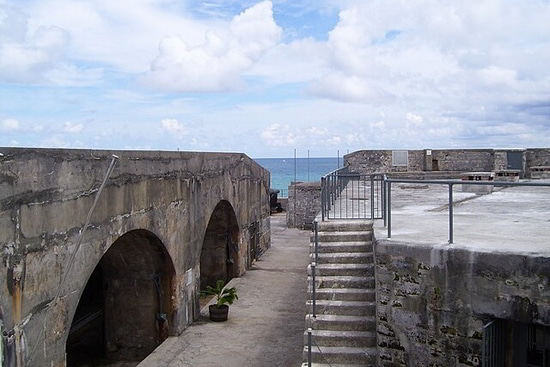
<point>351,246</point>
<point>346,338</point>
<point>340,281</point>
<point>345,294</point>
<point>343,269</point>
<point>350,308</point>
<point>305,364</point>
<point>335,225</point>
<point>344,236</point>
<point>346,355</point>
<point>341,322</point>
<point>346,258</point>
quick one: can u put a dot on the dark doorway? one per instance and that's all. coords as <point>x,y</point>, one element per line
<point>126,310</point>
<point>86,341</point>
<point>219,254</point>
<point>508,343</point>
<point>515,160</point>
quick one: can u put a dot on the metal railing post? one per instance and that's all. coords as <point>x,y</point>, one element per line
<point>309,347</point>
<point>323,200</point>
<point>372,197</point>
<point>384,197</point>
<point>389,209</point>
<point>313,295</point>
<point>450,213</point>
<point>316,226</point>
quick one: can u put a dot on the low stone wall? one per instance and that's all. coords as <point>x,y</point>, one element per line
<point>534,158</point>
<point>433,301</point>
<point>304,203</point>
<point>457,160</point>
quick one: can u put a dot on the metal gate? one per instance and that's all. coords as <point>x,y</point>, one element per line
<point>493,352</point>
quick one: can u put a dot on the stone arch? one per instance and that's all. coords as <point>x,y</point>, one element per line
<point>126,308</point>
<point>220,249</point>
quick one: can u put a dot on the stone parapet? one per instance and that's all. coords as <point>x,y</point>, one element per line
<point>304,203</point>
<point>433,301</point>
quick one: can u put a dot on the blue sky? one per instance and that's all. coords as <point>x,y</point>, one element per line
<point>268,77</point>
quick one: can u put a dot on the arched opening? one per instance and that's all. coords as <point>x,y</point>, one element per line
<point>125,311</point>
<point>219,255</point>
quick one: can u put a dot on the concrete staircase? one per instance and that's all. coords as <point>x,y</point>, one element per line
<point>344,329</point>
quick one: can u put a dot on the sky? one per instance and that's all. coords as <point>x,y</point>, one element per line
<point>322,77</point>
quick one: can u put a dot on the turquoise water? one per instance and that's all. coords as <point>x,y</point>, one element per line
<point>283,170</point>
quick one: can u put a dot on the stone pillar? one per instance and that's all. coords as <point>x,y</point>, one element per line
<point>304,203</point>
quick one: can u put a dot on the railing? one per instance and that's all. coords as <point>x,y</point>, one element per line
<point>314,262</point>
<point>450,183</point>
<point>349,195</point>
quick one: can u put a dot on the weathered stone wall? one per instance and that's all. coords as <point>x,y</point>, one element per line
<point>473,160</point>
<point>536,157</point>
<point>454,160</point>
<point>304,203</point>
<point>371,161</point>
<point>432,301</point>
<point>501,160</point>
<point>45,196</point>
<point>416,160</point>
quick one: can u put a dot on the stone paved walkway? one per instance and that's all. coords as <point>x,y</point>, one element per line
<point>265,326</point>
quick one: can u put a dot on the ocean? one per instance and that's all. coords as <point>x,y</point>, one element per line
<point>307,169</point>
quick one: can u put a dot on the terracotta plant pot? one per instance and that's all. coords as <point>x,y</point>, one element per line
<point>218,313</point>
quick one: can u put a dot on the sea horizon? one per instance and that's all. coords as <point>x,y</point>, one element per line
<point>284,171</point>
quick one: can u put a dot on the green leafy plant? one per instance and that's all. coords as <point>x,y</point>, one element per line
<point>223,295</point>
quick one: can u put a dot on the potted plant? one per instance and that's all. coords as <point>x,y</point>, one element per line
<point>224,298</point>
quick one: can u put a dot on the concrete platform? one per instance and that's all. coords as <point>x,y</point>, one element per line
<point>265,325</point>
<point>512,219</point>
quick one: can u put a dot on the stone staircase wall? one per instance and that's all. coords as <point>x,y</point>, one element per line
<point>344,327</point>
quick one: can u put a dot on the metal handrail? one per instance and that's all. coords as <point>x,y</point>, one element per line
<point>315,259</point>
<point>450,184</point>
<point>338,183</point>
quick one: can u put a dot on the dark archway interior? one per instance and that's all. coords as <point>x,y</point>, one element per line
<point>219,255</point>
<point>125,311</point>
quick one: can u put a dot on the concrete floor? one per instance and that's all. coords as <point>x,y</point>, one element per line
<point>513,219</point>
<point>265,325</point>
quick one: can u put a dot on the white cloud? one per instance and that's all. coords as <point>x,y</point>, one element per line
<point>9,124</point>
<point>346,88</point>
<point>37,54</point>
<point>316,131</point>
<point>497,76</point>
<point>413,119</point>
<point>72,128</point>
<point>276,135</point>
<point>123,34</point>
<point>26,62</point>
<point>172,126</point>
<point>216,64</point>
<point>435,51</point>
<point>370,75</point>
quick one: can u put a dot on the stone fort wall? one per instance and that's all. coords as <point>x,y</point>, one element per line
<point>166,206</point>
<point>433,301</point>
<point>447,160</point>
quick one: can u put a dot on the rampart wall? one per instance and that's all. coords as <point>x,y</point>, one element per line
<point>433,301</point>
<point>167,212</point>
